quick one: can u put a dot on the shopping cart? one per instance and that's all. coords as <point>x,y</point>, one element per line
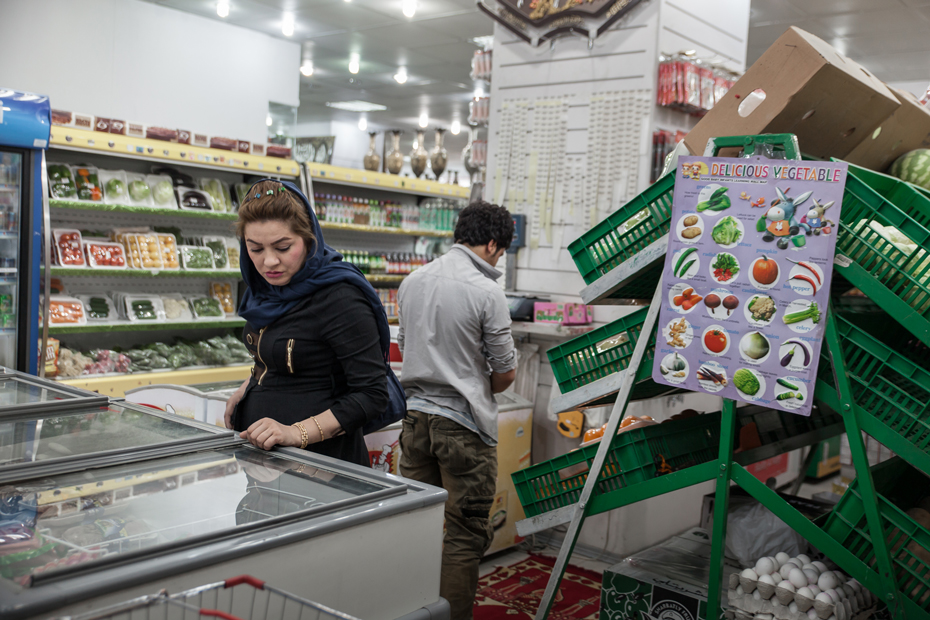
<point>239,598</point>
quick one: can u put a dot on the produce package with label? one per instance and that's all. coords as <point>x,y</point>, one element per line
<point>69,247</point>
<point>219,194</point>
<point>144,308</point>
<point>61,182</point>
<point>106,254</point>
<point>139,190</point>
<point>99,308</point>
<point>144,251</point>
<point>232,252</point>
<point>747,278</point>
<point>192,199</point>
<point>163,195</point>
<point>217,245</point>
<point>176,307</point>
<point>206,308</point>
<point>193,257</point>
<point>87,183</point>
<point>64,310</point>
<point>168,247</point>
<point>222,292</point>
<point>115,187</point>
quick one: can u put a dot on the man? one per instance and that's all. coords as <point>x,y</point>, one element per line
<point>458,352</point>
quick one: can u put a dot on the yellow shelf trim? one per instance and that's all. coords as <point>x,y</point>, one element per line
<point>381,180</point>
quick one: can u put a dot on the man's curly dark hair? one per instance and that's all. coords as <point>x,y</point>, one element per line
<point>481,222</point>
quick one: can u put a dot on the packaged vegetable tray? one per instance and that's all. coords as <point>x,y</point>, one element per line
<point>168,246</point>
<point>115,187</point>
<point>61,182</point>
<point>232,252</point>
<point>163,196</point>
<point>222,292</point>
<point>105,254</point>
<point>194,257</point>
<point>144,251</point>
<point>69,247</point>
<point>144,308</point>
<point>193,199</point>
<point>176,307</point>
<point>87,183</point>
<point>206,308</point>
<point>219,194</point>
<point>139,190</point>
<point>217,245</point>
<point>64,310</point>
<point>99,308</point>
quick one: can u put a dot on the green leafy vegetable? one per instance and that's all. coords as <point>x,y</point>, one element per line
<point>725,267</point>
<point>811,312</point>
<point>746,382</point>
<point>163,192</point>
<point>726,231</point>
<point>718,201</point>
<point>139,190</point>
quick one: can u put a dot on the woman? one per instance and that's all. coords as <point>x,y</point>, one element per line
<point>316,330</point>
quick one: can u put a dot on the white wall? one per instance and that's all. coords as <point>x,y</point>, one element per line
<point>142,62</point>
<point>917,88</point>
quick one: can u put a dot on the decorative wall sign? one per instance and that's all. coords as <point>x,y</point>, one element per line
<point>538,21</point>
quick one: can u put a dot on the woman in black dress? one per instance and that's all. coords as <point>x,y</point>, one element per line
<point>316,331</point>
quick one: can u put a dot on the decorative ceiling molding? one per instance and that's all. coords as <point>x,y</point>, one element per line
<point>538,21</point>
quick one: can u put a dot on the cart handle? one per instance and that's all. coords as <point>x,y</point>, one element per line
<point>252,581</point>
<point>214,613</point>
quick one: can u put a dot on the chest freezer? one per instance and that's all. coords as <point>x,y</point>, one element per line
<point>111,501</point>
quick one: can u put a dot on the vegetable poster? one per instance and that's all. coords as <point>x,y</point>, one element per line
<point>747,278</point>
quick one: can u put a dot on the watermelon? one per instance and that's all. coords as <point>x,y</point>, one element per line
<point>913,167</point>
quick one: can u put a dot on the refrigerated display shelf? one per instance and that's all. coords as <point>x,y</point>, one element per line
<point>114,208</point>
<point>385,230</point>
<point>7,270</point>
<point>145,273</point>
<point>117,385</point>
<point>86,141</point>
<point>383,181</point>
<point>385,279</point>
<point>91,328</point>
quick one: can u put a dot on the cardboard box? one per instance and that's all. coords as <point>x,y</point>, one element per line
<point>562,314</point>
<point>905,130</point>
<point>665,581</point>
<point>83,121</point>
<point>201,139</point>
<point>135,130</point>
<point>118,127</point>
<point>811,90</point>
<point>101,124</point>
<point>258,149</point>
<point>184,136</point>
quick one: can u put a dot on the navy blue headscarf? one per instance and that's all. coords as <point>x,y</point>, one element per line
<point>263,303</point>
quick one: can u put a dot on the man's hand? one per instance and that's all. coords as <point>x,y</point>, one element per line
<point>266,434</point>
<point>500,381</point>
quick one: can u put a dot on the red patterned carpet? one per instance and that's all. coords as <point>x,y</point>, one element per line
<point>513,592</point>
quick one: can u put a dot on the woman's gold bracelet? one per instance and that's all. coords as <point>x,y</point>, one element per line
<point>322,437</point>
<point>304,435</point>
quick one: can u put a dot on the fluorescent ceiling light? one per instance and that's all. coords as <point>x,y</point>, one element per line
<point>484,42</point>
<point>306,69</point>
<point>287,25</point>
<point>409,8</point>
<point>424,120</point>
<point>401,76</point>
<point>222,8</point>
<point>456,128</point>
<point>269,120</point>
<point>353,64</point>
<point>363,123</point>
<point>356,106</point>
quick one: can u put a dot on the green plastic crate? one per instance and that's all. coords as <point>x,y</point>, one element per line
<point>899,487</point>
<point>775,425</point>
<point>904,275</point>
<point>603,352</point>
<point>888,374</point>
<point>558,482</point>
<point>631,228</point>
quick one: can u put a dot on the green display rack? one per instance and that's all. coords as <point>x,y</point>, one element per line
<point>874,377</point>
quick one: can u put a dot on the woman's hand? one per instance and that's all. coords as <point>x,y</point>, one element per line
<point>266,434</point>
<point>232,402</point>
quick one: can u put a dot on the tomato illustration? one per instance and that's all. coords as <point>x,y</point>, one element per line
<point>715,341</point>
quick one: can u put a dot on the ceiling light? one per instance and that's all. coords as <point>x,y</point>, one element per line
<point>353,64</point>
<point>287,25</point>
<point>356,106</point>
<point>479,92</point>
<point>306,69</point>
<point>363,123</point>
<point>222,8</point>
<point>409,8</point>
<point>456,128</point>
<point>401,76</point>
<point>268,120</point>
<point>424,120</point>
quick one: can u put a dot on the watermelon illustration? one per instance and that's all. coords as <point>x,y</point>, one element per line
<point>913,167</point>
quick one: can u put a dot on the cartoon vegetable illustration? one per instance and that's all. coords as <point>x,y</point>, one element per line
<point>807,279</point>
<point>731,303</point>
<point>790,395</point>
<point>726,231</point>
<point>706,374</point>
<point>809,268</point>
<point>762,308</point>
<point>746,382</point>
<point>677,363</point>
<point>677,271</point>
<point>691,233</point>
<point>811,312</point>
<point>804,349</point>
<point>754,346</point>
<point>787,384</point>
<point>718,201</point>
<point>715,341</point>
<point>787,358</point>
<point>712,301</point>
<point>725,267</point>
<point>765,271</point>
<point>691,220</point>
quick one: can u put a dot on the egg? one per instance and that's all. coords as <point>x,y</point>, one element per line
<point>812,614</point>
<point>839,593</point>
<point>740,591</point>
<point>827,581</point>
<point>793,607</point>
<point>848,590</point>
<point>795,562</point>
<point>823,597</point>
<point>812,575</point>
<point>782,557</point>
<point>804,559</point>
<point>854,585</point>
<point>820,566</point>
<point>797,578</point>
<point>810,566</point>
<point>814,589</point>
<point>785,570</point>
<point>749,574</point>
<point>765,566</point>
<point>786,585</point>
<point>766,579</point>
<point>805,591</point>
<point>756,594</point>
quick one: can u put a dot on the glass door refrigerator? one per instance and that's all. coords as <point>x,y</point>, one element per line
<point>25,122</point>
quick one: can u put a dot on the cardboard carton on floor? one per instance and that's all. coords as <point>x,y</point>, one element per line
<point>905,130</point>
<point>665,581</point>
<point>829,101</point>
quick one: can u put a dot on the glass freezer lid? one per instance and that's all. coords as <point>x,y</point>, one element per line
<point>20,392</point>
<point>71,435</point>
<point>81,521</point>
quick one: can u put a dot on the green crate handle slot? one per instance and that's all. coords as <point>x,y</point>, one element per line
<point>787,141</point>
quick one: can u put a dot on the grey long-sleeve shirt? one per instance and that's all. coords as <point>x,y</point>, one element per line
<point>455,331</point>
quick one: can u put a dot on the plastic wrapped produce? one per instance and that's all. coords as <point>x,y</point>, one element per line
<point>206,308</point>
<point>69,247</point>
<point>176,308</point>
<point>217,245</point>
<point>115,189</point>
<point>163,195</point>
<point>222,292</point>
<point>169,251</point>
<point>193,257</point>
<point>87,183</point>
<point>219,194</point>
<point>105,254</point>
<point>139,190</point>
<point>61,182</point>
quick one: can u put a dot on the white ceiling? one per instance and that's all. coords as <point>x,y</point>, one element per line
<point>891,38</point>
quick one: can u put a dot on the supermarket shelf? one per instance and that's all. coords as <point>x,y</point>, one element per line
<point>85,141</point>
<point>381,180</point>
<point>549,329</point>
<point>385,279</point>
<point>99,206</point>
<point>9,235</point>
<point>127,326</point>
<point>117,385</point>
<point>386,231</point>
<point>8,188</point>
<point>7,270</point>
<point>146,273</point>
